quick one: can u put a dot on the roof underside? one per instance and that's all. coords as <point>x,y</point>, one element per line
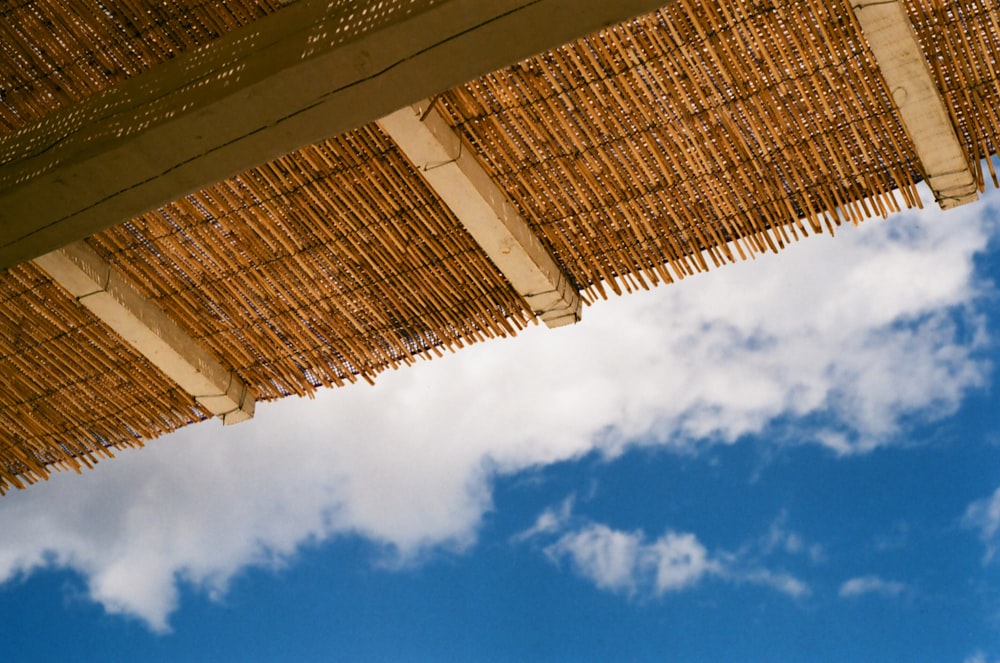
<point>678,141</point>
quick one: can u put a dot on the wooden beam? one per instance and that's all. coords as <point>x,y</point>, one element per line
<point>460,181</point>
<point>144,326</point>
<point>310,71</point>
<point>894,43</point>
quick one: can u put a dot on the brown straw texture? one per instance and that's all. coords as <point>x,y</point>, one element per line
<point>642,152</point>
<point>961,41</point>
<point>332,263</point>
<point>70,389</point>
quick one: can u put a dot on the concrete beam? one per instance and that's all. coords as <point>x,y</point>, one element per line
<point>453,172</point>
<point>922,110</point>
<point>144,326</point>
<point>310,71</point>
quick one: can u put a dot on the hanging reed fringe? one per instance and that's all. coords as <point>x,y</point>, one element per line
<point>331,264</point>
<point>693,137</point>
<point>328,265</point>
<point>689,138</point>
<point>70,390</point>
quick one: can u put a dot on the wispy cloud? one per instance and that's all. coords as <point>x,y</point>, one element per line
<point>871,584</point>
<point>780,538</point>
<point>779,581</point>
<point>549,521</point>
<point>630,563</point>
<point>984,516</point>
<point>626,562</point>
<point>610,558</point>
<point>845,338</point>
<point>979,656</point>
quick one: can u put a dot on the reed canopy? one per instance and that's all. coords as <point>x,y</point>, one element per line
<point>681,140</point>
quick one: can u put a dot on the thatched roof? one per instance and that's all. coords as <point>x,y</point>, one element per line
<point>669,144</point>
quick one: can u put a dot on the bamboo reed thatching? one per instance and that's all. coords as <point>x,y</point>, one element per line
<point>695,136</point>
<point>70,390</point>
<point>326,265</point>
<point>961,42</point>
<point>707,123</point>
<point>330,264</point>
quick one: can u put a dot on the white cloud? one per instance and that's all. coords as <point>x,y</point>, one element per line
<point>610,558</point>
<point>549,521</point>
<point>680,561</point>
<point>625,562</point>
<point>780,538</point>
<point>628,563</point>
<point>870,584</point>
<point>855,332</point>
<point>984,515</point>
<point>779,581</point>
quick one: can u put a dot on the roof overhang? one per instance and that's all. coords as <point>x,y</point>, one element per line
<point>306,73</point>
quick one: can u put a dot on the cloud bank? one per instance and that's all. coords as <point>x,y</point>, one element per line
<point>836,342</point>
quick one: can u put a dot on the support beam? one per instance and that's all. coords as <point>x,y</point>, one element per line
<point>310,71</point>
<point>922,110</point>
<point>453,172</point>
<point>144,326</point>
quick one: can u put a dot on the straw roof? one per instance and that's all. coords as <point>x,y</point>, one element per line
<point>672,143</point>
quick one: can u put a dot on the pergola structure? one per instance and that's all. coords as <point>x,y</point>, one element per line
<point>207,204</point>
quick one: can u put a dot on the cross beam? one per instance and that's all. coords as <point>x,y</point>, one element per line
<point>924,114</point>
<point>144,326</point>
<point>465,187</point>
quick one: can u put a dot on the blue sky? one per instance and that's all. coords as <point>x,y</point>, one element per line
<point>795,458</point>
